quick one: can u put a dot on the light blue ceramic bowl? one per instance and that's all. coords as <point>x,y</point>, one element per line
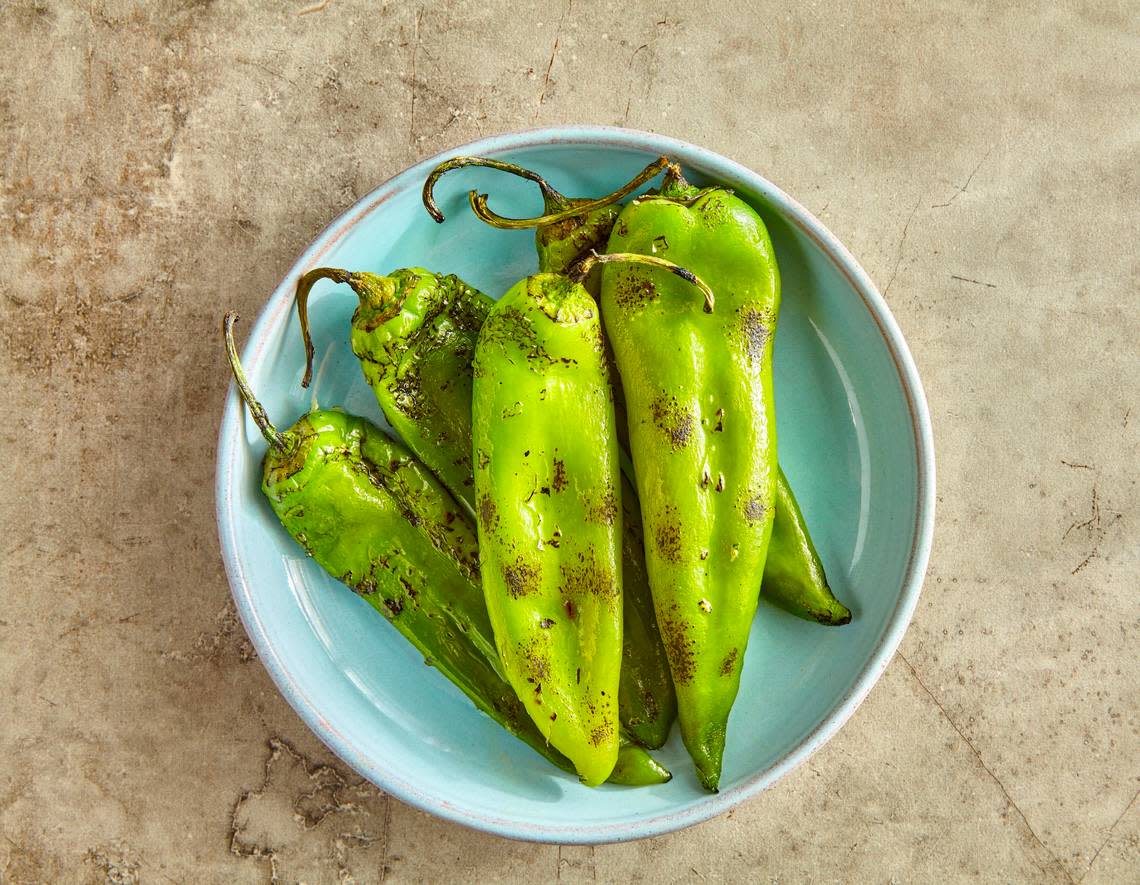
<point>855,441</point>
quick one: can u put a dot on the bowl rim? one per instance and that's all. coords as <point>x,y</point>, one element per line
<point>281,301</point>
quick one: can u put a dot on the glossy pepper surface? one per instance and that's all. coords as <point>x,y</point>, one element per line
<point>796,581</point>
<point>698,386</point>
<point>549,513</point>
<point>374,518</point>
<point>435,348</point>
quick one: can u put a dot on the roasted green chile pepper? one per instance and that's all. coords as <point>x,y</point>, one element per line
<point>407,330</point>
<point>795,581</point>
<point>575,227</point>
<point>415,335</point>
<point>547,486</point>
<point>794,578</point>
<point>698,385</point>
<point>374,518</point>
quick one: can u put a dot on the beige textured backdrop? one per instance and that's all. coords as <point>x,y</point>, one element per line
<point>163,161</point>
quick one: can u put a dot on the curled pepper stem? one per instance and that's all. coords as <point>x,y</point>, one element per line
<point>479,203</point>
<point>304,286</point>
<point>552,199</point>
<point>373,290</point>
<point>273,436</point>
<point>583,267</point>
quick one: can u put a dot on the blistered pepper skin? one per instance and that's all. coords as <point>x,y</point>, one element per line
<point>407,331</point>
<point>698,388</point>
<point>547,487</point>
<point>399,347</point>
<point>373,517</point>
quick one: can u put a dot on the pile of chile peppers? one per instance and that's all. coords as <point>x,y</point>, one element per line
<point>613,600</point>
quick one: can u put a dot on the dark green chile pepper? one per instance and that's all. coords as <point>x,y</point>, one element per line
<point>374,518</point>
<point>547,485</point>
<point>424,343</point>
<point>698,385</point>
<point>793,574</point>
<point>795,580</point>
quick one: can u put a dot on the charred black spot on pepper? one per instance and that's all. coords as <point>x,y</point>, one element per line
<point>755,508</point>
<point>559,482</point>
<point>603,509</point>
<point>602,733</point>
<point>521,577</point>
<point>667,534</point>
<point>546,623</point>
<point>719,428</point>
<point>632,291</point>
<point>488,512</point>
<point>681,649</point>
<point>589,578</point>
<point>673,419</point>
<point>729,663</point>
<point>756,330</point>
<point>660,244</point>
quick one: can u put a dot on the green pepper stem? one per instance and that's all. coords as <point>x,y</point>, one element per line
<point>583,267</point>
<point>479,203</point>
<point>273,436</point>
<point>304,286</point>
<point>552,199</point>
<point>376,292</point>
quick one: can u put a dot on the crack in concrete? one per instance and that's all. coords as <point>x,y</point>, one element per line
<point>1108,837</point>
<point>962,189</point>
<point>553,55</point>
<point>902,243</point>
<point>1008,798</point>
<point>310,809</point>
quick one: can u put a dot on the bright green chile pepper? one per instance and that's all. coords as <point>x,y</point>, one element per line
<point>795,579</point>
<point>547,484</point>
<point>373,517</point>
<point>415,335</point>
<point>549,514</point>
<point>698,384</point>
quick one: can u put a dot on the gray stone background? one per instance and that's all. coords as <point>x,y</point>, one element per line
<point>164,161</point>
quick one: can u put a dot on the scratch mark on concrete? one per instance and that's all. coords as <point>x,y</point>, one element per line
<point>962,189</point>
<point>1108,837</point>
<point>902,243</point>
<point>1074,464</point>
<point>1097,529</point>
<point>415,54</point>
<point>975,282</point>
<point>629,91</point>
<point>261,67</point>
<point>553,55</point>
<point>969,743</point>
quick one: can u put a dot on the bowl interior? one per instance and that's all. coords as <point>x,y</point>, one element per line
<point>847,441</point>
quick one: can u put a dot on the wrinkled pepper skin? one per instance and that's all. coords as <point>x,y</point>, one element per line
<point>702,424</point>
<point>799,585</point>
<point>647,702</point>
<point>547,488</point>
<point>407,331</point>
<point>373,517</point>
<point>794,579</point>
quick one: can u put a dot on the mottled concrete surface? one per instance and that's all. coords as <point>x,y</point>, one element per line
<point>164,160</point>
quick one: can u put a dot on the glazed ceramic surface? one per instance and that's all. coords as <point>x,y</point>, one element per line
<point>854,440</point>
